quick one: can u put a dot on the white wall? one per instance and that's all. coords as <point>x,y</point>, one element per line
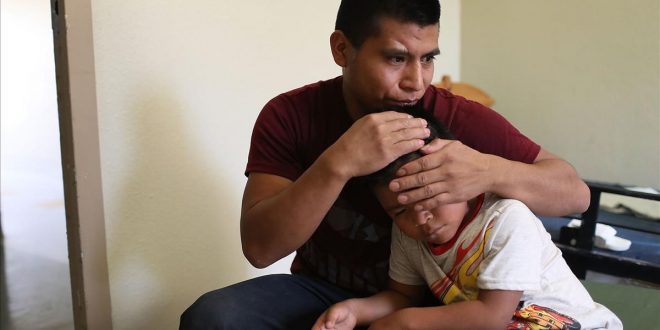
<point>449,60</point>
<point>580,77</point>
<point>179,85</point>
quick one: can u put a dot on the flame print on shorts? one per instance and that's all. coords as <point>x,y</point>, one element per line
<point>534,317</point>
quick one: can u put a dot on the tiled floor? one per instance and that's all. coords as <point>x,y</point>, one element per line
<point>36,291</point>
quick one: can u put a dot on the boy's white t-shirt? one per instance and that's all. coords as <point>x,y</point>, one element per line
<point>503,247</point>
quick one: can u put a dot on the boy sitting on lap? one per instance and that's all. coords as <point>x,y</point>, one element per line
<point>489,261</point>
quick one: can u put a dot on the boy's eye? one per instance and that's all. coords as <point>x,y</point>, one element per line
<point>398,212</point>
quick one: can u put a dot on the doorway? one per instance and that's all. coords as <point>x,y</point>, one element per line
<point>36,291</point>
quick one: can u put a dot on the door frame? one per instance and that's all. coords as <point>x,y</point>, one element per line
<point>81,166</point>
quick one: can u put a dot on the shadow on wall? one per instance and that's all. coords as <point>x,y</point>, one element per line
<point>175,228</point>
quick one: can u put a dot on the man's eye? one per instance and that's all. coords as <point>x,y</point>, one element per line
<point>397,59</point>
<point>429,59</point>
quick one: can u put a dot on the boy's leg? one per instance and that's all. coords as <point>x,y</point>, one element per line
<point>269,302</point>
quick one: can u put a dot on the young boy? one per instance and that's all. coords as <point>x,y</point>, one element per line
<point>489,261</point>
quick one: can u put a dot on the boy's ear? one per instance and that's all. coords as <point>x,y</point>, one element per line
<point>340,47</point>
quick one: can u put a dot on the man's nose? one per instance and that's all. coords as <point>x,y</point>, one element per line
<point>413,77</point>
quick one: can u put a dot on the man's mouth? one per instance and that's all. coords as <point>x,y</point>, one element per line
<point>400,105</point>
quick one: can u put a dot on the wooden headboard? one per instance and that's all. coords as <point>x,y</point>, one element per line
<point>465,90</point>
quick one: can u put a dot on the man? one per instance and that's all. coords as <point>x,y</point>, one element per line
<point>308,145</point>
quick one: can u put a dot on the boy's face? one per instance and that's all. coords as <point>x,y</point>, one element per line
<point>391,69</point>
<point>436,226</point>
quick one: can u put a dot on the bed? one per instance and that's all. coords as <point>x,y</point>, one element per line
<point>636,305</point>
<point>641,261</point>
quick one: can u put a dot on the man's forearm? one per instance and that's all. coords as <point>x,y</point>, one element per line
<point>275,226</point>
<point>278,215</point>
<point>548,187</point>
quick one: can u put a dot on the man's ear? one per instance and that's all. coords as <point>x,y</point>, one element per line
<point>340,46</point>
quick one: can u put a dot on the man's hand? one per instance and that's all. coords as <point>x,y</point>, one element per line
<point>338,316</point>
<point>450,172</point>
<point>374,141</point>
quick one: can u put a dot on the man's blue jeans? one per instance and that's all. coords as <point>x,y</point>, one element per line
<point>279,301</point>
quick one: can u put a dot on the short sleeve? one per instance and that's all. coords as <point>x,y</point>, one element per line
<point>401,268</point>
<point>513,253</point>
<point>481,128</point>
<point>273,143</point>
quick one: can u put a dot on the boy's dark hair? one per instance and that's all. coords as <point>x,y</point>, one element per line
<point>438,130</point>
<point>360,19</point>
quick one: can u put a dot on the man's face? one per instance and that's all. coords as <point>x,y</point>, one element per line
<point>391,69</point>
<point>437,226</point>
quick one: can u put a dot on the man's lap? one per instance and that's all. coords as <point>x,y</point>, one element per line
<point>279,301</point>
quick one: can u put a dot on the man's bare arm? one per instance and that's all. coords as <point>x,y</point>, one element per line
<point>453,172</point>
<point>279,215</point>
<point>549,186</point>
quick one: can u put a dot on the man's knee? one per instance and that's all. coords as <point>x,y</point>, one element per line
<point>210,311</point>
<point>232,307</point>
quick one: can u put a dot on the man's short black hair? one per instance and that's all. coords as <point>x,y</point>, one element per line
<point>360,19</point>
<point>438,130</point>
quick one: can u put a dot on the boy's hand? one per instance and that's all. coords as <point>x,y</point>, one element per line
<point>338,316</point>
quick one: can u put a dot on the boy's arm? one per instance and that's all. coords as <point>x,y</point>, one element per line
<point>492,310</point>
<point>363,311</point>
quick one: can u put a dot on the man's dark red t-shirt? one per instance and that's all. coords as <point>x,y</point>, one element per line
<point>351,247</point>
